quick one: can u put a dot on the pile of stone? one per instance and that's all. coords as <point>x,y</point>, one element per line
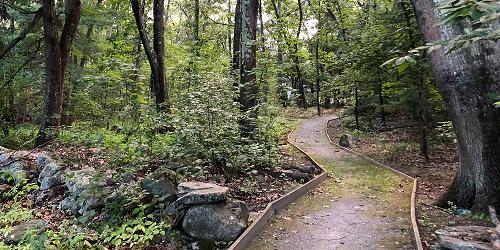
<point>204,212</point>
<point>470,237</point>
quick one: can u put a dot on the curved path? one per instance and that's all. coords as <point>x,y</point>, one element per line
<point>360,205</point>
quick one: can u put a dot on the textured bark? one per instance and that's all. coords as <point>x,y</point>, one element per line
<point>56,56</point>
<point>465,78</point>
<point>248,61</point>
<point>318,104</point>
<point>356,107</point>
<point>156,53</point>
<point>380,88</point>
<point>196,27</point>
<point>299,79</point>
<point>236,39</point>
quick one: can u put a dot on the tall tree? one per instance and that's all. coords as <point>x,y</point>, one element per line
<point>248,61</point>
<point>298,77</point>
<point>466,79</point>
<point>56,57</point>
<point>156,53</point>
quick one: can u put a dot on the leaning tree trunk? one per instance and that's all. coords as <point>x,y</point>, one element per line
<point>155,54</point>
<point>56,57</point>
<point>248,61</point>
<point>465,78</point>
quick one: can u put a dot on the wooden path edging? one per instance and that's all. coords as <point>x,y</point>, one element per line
<point>276,206</point>
<point>413,215</point>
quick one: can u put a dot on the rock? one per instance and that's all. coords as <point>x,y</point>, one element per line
<point>13,169</point>
<point>88,190</point>
<point>43,195</point>
<point>221,221</point>
<point>50,174</point>
<point>308,169</point>
<point>462,212</point>
<point>79,180</point>
<point>346,140</point>
<point>200,193</point>
<point>464,238</point>
<point>190,186</point>
<point>162,182</point>
<point>69,205</point>
<point>18,231</point>
<point>295,175</point>
<point>42,160</point>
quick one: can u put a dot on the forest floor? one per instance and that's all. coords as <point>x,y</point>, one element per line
<point>399,149</point>
<point>360,205</point>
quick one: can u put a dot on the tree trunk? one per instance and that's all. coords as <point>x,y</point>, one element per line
<point>381,102</point>
<point>236,40</point>
<point>465,78</point>
<point>300,81</point>
<point>156,53</point>
<point>248,61</point>
<point>356,107</point>
<point>318,104</point>
<point>422,97</point>
<point>56,56</point>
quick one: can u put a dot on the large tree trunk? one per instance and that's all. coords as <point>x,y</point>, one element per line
<point>56,56</point>
<point>156,53</point>
<point>299,79</point>
<point>248,61</point>
<point>465,78</point>
<point>236,40</point>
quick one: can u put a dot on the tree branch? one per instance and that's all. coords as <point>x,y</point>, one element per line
<point>72,18</point>
<point>23,33</point>
<point>22,66</point>
<point>19,9</point>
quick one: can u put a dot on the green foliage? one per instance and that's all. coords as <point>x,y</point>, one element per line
<point>20,185</point>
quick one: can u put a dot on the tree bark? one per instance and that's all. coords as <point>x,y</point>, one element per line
<point>299,79</point>
<point>156,53</point>
<point>236,40</point>
<point>465,78</point>
<point>356,107</point>
<point>248,61</point>
<point>56,56</point>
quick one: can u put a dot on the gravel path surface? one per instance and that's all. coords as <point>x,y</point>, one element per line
<point>360,206</point>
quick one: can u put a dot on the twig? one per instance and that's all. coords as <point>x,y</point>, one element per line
<point>22,66</point>
<point>23,33</point>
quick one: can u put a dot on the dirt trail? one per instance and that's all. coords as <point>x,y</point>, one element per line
<point>360,206</point>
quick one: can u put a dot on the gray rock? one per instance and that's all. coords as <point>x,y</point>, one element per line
<point>42,160</point>
<point>13,169</point>
<point>79,180</point>
<point>200,193</point>
<point>295,175</point>
<point>18,231</point>
<point>69,205</point>
<point>87,191</point>
<point>162,182</point>
<point>190,186</point>
<point>217,221</point>
<point>51,174</point>
<point>308,169</point>
<point>454,238</point>
<point>346,140</point>
<point>43,195</point>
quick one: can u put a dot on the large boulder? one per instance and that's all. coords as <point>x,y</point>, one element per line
<point>50,172</point>
<point>162,183</point>
<point>221,221</point>
<point>15,235</point>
